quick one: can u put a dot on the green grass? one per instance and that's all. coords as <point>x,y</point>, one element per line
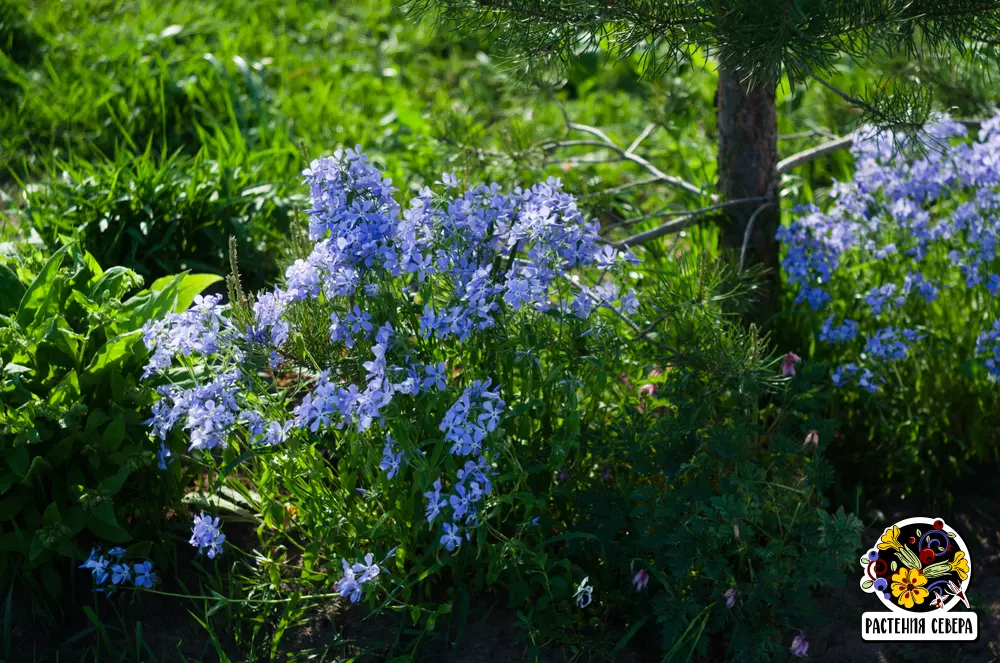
<point>303,78</point>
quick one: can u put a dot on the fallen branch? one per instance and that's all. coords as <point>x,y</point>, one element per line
<point>677,225</point>
<point>813,153</point>
<point>844,142</point>
<point>626,154</point>
<point>746,233</point>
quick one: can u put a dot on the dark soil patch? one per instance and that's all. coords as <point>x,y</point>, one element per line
<point>335,632</point>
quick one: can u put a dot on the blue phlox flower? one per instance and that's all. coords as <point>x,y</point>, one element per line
<point>206,535</point>
<point>451,539</point>
<point>144,576</point>
<point>120,573</point>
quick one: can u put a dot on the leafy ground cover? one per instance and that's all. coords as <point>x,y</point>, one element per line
<point>644,466</point>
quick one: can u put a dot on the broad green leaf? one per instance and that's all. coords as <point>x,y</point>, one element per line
<point>36,293</point>
<point>51,515</point>
<point>75,519</point>
<point>11,290</point>
<point>215,502</point>
<point>95,419</point>
<point>163,282</point>
<point>17,460</point>
<point>103,523</point>
<point>67,391</point>
<point>114,483</point>
<point>113,352</point>
<point>7,479</point>
<point>158,305</point>
<point>84,265</point>
<point>114,434</point>
<point>191,286</point>
<point>11,506</point>
<point>113,282</point>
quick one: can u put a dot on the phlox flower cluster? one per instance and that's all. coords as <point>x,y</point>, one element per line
<point>355,577</point>
<point>206,535</point>
<point>464,260</point>
<point>201,329</point>
<point>115,569</point>
<point>466,425</point>
<point>988,344</point>
<point>207,412</point>
<point>898,221</point>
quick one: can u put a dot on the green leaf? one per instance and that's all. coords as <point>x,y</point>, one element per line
<point>114,434</point>
<point>99,625</point>
<point>11,290</point>
<point>84,262</point>
<point>36,293</point>
<point>17,460</point>
<point>103,523</point>
<point>67,391</point>
<point>11,506</point>
<point>51,515</point>
<point>628,636</point>
<point>215,502</point>
<point>162,282</point>
<point>191,286</point>
<point>75,519</point>
<point>161,303</point>
<point>893,566</point>
<point>114,483</point>
<point>113,282</point>
<point>63,342</point>
<point>867,584</point>
<point>95,419</point>
<point>112,352</point>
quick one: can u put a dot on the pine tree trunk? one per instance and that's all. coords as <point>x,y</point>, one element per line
<point>748,154</point>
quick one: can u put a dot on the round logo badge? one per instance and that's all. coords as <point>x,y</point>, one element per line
<point>918,565</point>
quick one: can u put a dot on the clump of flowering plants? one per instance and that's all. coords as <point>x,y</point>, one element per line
<point>393,398</point>
<point>902,272</point>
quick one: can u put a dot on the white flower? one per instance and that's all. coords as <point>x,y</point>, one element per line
<point>584,593</point>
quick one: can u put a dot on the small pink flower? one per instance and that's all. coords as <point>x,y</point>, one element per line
<point>640,580</point>
<point>647,389</point>
<point>788,364</point>
<point>730,597</point>
<point>800,646</point>
<point>813,439</point>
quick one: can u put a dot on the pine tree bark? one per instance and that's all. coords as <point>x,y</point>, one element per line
<point>748,154</point>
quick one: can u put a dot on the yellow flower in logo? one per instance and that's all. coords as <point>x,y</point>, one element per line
<point>908,587</point>
<point>890,539</point>
<point>960,565</point>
